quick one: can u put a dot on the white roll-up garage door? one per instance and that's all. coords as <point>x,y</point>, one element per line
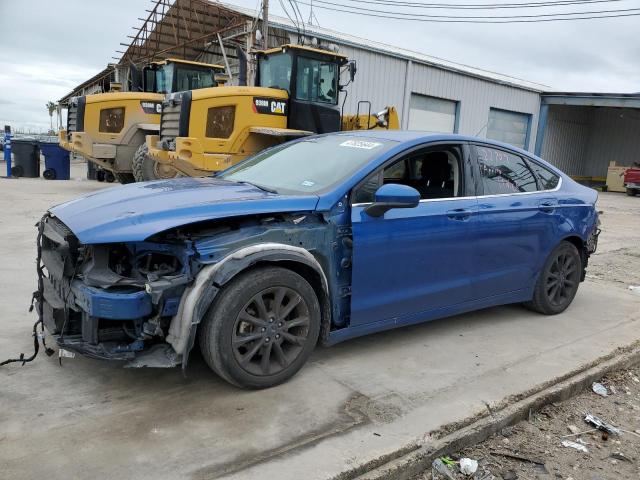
<point>509,127</point>
<point>432,114</point>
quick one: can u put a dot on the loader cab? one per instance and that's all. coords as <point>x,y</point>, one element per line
<point>173,75</point>
<point>311,76</point>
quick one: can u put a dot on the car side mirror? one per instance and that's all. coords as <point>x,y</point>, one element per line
<point>390,196</point>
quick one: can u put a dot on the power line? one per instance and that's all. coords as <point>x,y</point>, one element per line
<point>489,20</point>
<point>479,17</point>
<point>289,16</point>
<point>485,6</point>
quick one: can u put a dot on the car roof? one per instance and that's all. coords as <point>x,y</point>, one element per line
<point>416,136</point>
<point>407,139</point>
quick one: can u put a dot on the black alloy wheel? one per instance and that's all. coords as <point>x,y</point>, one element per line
<point>562,279</point>
<point>270,331</point>
<point>558,280</point>
<point>261,328</point>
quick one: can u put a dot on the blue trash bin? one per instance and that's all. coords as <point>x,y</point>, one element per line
<point>56,161</point>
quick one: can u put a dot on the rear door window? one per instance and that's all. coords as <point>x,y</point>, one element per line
<point>502,172</point>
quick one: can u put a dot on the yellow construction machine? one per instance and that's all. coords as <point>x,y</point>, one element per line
<point>109,129</point>
<point>296,94</point>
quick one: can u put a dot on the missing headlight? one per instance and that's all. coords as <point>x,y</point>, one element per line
<point>120,260</point>
<point>156,263</point>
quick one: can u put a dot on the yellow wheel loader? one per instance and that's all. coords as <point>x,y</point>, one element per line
<point>109,129</point>
<point>296,94</point>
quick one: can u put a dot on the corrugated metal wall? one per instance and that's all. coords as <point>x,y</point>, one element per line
<point>566,138</point>
<point>380,79</point>
<point>614,136</point>
<point>386,80</point>
<point>583,140</point>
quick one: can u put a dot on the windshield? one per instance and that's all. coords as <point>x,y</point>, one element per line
<point>275,71</point>
<point>308,166</point>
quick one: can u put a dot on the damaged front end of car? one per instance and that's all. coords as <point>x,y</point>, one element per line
<point>142,301</point>
<point>111,301</point>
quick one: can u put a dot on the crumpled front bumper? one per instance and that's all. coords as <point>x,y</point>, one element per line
<point>97,307</point>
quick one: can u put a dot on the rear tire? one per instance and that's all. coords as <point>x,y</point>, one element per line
<point>631,192</point>
<point>558,281</point>
<point>146,168</point>
<point>261,328</point>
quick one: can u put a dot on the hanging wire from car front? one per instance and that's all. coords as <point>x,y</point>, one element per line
<point>37,297</point>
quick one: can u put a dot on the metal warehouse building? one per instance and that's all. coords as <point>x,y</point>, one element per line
<point>429,93</point>
<point>582,133</point>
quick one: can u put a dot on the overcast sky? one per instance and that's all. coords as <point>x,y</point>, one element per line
<point>47,47</point>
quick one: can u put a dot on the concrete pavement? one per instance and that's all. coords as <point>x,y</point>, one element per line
<point>352,404</point>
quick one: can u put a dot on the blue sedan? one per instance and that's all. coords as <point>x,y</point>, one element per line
<point>318,240</point>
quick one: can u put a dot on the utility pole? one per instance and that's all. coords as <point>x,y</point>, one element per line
<point>265,24</point>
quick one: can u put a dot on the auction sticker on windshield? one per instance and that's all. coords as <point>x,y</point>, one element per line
<point>360,144</point>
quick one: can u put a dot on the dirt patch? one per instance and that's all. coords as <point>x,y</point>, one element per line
<point>618,257</point>
<point>533,449</point>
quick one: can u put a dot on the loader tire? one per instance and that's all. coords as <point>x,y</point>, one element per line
<point>124,178</point>
<point>146,168</point>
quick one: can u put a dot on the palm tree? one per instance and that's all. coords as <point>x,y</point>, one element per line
<point>51,107</point>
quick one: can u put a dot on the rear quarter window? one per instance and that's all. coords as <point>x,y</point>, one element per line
<point>546,178</point>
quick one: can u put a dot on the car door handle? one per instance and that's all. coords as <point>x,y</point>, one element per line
<point>547,206</point>
<point>459,214</point>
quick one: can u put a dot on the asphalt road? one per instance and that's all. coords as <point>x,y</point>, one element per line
<point>349,405</point>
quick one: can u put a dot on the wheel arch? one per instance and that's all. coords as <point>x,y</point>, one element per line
<point>581,246</point>
<point>211,280</point>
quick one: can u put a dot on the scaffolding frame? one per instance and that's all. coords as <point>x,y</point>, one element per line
<point>181,29</point>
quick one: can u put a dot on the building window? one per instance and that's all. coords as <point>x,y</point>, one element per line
<point>432,114</point>
<point>509,127</point>
<point>503,173</point>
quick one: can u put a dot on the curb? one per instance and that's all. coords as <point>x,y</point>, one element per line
<point>405,466</point>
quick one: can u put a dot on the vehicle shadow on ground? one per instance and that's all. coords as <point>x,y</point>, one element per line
<point>449,332</point>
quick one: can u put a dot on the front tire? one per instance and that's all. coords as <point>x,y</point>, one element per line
<point>261,328</point>
<point>558,281</point>
<point>146,168</point>
<point>631,192</point>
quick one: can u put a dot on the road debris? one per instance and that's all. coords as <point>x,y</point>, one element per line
<point>468,466</point>
<point>556,446</point>
<point>577,446</point>
<point>601,424</point>
<point>518,457</point>
<point>621,456</point>
<point>438,466</point>
<point>600,389</point>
